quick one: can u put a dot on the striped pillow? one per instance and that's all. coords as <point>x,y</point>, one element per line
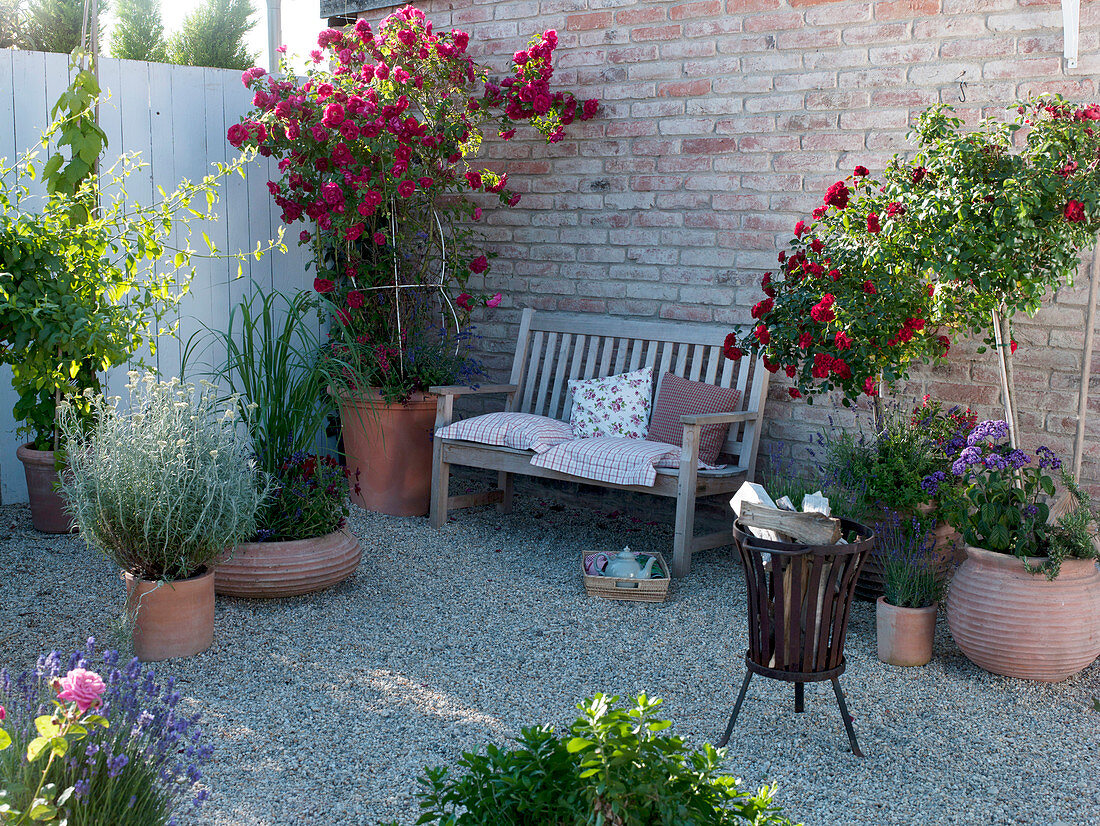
<point>522,431</point>
<point>681,397</point>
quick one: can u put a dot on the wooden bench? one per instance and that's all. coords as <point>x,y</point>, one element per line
<point>555,347</point>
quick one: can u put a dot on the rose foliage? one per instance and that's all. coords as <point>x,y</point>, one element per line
<point>377,155</point>
<point>886,273</point>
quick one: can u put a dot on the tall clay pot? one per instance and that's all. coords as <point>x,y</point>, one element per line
<point>1019,624</point>
<point>171,619</point>
<point>47,505</point>
<point>286,569</point>
<point>390,446</point>
<point>905,635</point>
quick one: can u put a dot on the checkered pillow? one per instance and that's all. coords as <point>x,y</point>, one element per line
<point>612,406</point>
<point>680,397</point>
<point>607,459</point>
<point>522,431</point>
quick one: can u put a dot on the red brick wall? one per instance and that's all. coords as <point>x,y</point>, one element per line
<point>722,124</point>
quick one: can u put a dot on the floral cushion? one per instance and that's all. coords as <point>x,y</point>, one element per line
<point>608,459</point>
<point>612,406</point>
<point>522,431</point>
<point>680,397</point>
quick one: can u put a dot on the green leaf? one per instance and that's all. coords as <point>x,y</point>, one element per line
<point>578,744</point>
<point>5,739</point>
<point>42,810</point>
<point>36,747</point>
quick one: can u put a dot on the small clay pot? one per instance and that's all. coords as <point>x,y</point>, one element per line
<point>171,619</point>
<point>1020,624</point>
<point>390,447</point>
<point>47,504</point>
<point>286,569</point>
<point>905,635</point>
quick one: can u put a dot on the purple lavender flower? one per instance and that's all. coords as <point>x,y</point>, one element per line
<point>116,764</point>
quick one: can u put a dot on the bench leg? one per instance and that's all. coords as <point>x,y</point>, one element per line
<point>504,483</point>
<point>685,532</point>
<point>441,484</point>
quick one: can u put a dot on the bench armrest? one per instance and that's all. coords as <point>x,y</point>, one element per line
<point>720,418</point>
<point>459,390</point>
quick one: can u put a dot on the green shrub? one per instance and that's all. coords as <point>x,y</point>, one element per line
<point>615,768</point>
<point>164,488</point>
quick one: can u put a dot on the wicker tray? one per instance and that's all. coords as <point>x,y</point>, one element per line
<point>625,588</point>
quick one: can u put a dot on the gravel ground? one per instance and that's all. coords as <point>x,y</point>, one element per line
<point>325,708</point>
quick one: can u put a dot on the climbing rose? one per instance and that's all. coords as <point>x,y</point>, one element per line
<point>355,299</point>
<point>805,340</point>
<point>799,228</point>
<point>819,212</point>
<point>494,301</point>
<point>762,308</point>
<point>1074,212</point>
<point>1013,345</point>
<point>762,334</point>
<point>946,342</point>
<point>861,172</point>
<point>843,340</point>
<point>323,285</point>
<point>918,174</point>
<point>873,225</point>
<point>730,349</point>
<point>894,208</point>
<point>794,392</point>
<point>837,195</point>
<point>463,301</point>
<point>479,264</point>
<point>869,387</point>
<point>822,311</point>
<point>869,288</point>
<point>379,238</point>
<point>406,188</point>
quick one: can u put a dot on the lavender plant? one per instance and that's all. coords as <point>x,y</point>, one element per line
<point>309,499</point>
<point>141,769</point>
<point>166,487</point>
<point>909,574</point>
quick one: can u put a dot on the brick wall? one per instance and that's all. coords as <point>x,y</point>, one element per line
<point>722,124</point>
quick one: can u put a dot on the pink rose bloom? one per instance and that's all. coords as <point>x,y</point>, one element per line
<point>82,687</point>
<point>334,115</point>
<point>494,301</point>
<point>400,75</point>
<point>477,213</point>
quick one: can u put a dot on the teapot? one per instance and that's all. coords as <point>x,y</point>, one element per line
<point>625,564</point>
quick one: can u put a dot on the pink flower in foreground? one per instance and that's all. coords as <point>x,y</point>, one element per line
<point>82,687</point>
<point>494,301</point>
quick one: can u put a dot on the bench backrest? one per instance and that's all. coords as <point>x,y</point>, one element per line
<point>555,347</point>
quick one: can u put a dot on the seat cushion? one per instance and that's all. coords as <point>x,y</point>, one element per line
<point>522,431</point>
<point>612,405</point>
<point>607,459</point>
<point>681,397</point>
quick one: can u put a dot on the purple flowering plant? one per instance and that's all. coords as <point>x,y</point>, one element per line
<point>140,766</point>
<point>993,494</point>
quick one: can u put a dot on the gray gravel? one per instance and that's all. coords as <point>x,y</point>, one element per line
<point>325,708</point>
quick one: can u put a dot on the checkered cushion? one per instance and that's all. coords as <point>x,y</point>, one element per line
<point>522,431</point>
<point>681,397</point>
<point>608,459</point>
<point>612,405</point>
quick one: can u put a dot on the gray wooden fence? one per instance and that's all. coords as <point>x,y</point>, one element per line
<point>176,117</point>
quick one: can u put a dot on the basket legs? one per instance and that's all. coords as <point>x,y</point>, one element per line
<point>846,717</point>
<point>799,697</point>
<point>736,709</point>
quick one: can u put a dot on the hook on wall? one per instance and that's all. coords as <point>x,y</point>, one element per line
<point>962,86</point>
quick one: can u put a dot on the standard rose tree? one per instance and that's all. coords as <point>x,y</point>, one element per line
<point>377,156</point>
<point>886,274</point>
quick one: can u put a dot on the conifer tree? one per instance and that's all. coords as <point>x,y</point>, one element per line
<point>139,33</point>
<point>53,25</point>
<point>214,35</point>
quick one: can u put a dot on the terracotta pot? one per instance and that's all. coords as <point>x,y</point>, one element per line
<point>47,504</point>
<point>286,569</point>
<point>171,619</point>
<point>905,635</point>
<point>390,445</point>
<point>1023,625</point>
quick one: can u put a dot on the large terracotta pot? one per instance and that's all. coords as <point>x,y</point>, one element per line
<point>390,446</point>
<point>286,569</point>
<point>171,619</point>
<point>905,635</point>
<point>1011,622</point>
<point>47,505</point>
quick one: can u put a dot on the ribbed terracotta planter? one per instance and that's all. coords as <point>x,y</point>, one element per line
<point>905,635</point>
<point>390,445</point>
<point>47,505</point>
<point>287,569</point>
<point>171,619</point>
<point>1023,625</point>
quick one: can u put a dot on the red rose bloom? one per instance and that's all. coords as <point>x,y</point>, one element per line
<point>406,188</point>
<point>872,223</point>
<point>1074,212</point>
<point>823,363</point>
<point>762,308</point>
<point>946,342</point>
<point>819,212</point>
<point>931,290</point>
<point>355,299</point>
<point>841,369</point>
<point>770,365</point>
<point>463,301</point>
<point>918,176</point>
<point>730,349</point>
<point>323,285</point>
<point>837,195</point>
<point>805,340</point>
<point>1012,345</point>
<point>799,228</point>
<point>822,312</point>
<point>795,392</point>
<point>789,370</point>
<point>762,334</point>
<point>861,172</point>
<point>894,208</point>
<point>869,387</point>
<point>842,340</point>
<point>869,288</point>
<point>479,264</point>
